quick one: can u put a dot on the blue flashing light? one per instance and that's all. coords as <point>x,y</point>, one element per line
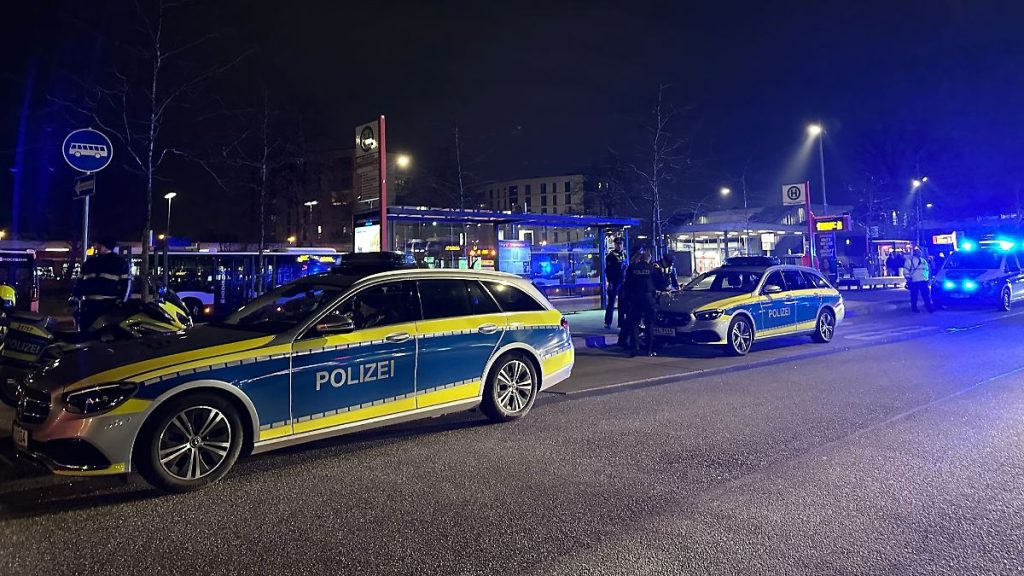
<point>949,285</point>
<point>1005,245</point>
<point>968,245</point>
<point>970,285</point>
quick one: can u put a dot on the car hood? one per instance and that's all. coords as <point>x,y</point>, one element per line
<point>690,300</point>
<point>129,360</point>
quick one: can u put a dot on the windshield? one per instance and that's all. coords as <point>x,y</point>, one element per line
<point>977,259</point>
<point>283,308</point>
<point>723,280</point>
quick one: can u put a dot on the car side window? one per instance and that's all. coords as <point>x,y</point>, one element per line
<point>444,299</point>
<point>816,280</point>
<point>794,280</point>
<point>480,301</point>
<point>773,279</point>
<point>513,299</point>
<point>1012,266</point>
<point>376,306</point>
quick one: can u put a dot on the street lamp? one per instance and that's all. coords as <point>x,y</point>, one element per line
<point>725,191</point>
<point>310,205</point>
<point>915,184</point>
<point>403,161</point>
<point>817,131</point>
<point>169,196</point>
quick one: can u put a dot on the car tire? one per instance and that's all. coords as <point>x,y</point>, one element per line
<point>740,337</point>
<point>824,327</point>
<point>1005,299</point>
<point>173,455</point>
<point>511,388</point>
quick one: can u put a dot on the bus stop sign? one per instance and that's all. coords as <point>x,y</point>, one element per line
<point>87,150</point>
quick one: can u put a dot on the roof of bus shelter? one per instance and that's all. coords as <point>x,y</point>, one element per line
<point>455,216</point>
<point>738,227</point>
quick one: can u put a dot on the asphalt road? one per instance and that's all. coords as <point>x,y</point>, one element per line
<point>897,449</point>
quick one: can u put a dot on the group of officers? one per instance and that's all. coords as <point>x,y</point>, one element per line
<point>635,284</point>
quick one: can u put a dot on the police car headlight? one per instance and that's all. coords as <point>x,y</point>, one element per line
<point>707,315</point>
<point>99,398</point>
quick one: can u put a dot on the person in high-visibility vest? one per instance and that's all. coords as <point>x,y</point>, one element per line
<point>917,271</point>
<point>104,282</point>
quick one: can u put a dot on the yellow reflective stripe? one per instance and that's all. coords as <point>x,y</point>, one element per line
<point>461,392</point>
<point>19,356</point>
<point>557,362</point>
<point>118,468</point>
<point>130,370</point>
<point>33,330</point>
<point>272,433</point>
<point>536,318</point>
<point>386,409</point>
<point>266,351</point>
<point>355,337</point>
<point>459,323</point>
<point>131,406</point>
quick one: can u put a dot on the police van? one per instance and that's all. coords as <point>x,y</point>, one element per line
<point>986,271</point>
<point>325,355</point>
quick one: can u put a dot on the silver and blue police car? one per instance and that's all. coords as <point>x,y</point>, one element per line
<point>326,355</point>
<point>986,271</point>
<point>750,299</point>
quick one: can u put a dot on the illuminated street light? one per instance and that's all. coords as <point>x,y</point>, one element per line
<point>815,129</point>
<point>291,239</point>
<point>929,205</point>
<point>916,183</point>
<point>726,191</point>
<point>169,196</point>
<point>2,234</point>
<point>403,161</point>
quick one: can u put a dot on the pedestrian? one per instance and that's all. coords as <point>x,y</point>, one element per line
<point>892,267</point>
<point>917,273</point>
<point>614,272</point>
<point>665,274</point>
<point>639,292</point>
<point>103,284</point>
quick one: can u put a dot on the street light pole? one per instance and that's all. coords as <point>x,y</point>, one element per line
<point>915,185</point>
<point>310,204</point>
<point>167,238</point>
<point>817,131</point>
<point>169,196</point>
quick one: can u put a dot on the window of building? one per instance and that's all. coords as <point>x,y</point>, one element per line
<point>554,199</point>
<point>513,195</point>
<point>543,188</point>
<point>568,199</point>
<point>527,189</point>
<point>568,187</point>
<point>543,200</point>
<point>556,236</point>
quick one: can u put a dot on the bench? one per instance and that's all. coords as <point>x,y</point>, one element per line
<point>861,280</point>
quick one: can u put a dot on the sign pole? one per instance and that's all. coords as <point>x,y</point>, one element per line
<point>810,223</point>
<point>385,244</point>
<point>85,228</point>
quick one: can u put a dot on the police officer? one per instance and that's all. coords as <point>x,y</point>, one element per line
<point>638,292</point>
<point>917,272</point>
<point>614,271</point>
<point>665,274</point>
<point>104,282</point>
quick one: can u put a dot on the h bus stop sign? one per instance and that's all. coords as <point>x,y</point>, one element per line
<point>87,150</point>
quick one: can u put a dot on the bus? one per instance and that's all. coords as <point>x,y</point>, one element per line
<point>217,283</point>
<point>18,270</point>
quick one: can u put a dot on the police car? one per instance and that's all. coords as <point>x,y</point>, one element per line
<point>325,355</point>
<point>987,271</point>
<point>750,299</point>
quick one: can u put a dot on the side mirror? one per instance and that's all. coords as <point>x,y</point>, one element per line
<point>338,325</point>
<point>771,289</point>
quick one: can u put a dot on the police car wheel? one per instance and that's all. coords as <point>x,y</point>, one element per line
<point>190,442</point>
<point>825,327</point>
<point>511,388</point>
<point>741,336</point>
<point>1005,300</point>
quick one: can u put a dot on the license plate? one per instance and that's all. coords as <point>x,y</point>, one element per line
<point>664,331</point>
<point>20,437</point>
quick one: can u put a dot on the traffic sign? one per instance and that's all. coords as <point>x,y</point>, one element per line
<point>794,194</point>
<point>87,150</point>
<point>85,186</point>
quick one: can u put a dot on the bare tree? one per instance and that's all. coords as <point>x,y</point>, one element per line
<point>145,92</point>
<point>664,154</point>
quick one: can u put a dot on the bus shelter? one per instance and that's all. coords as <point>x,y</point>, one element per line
<point>562,254</point>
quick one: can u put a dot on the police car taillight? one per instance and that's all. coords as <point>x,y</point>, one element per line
<point>565,324</point>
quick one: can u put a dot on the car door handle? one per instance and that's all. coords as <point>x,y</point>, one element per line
<point>487,328</point>
<point>789,301</point>
<point>398,337</point>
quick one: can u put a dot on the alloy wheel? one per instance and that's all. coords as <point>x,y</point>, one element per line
<point>195,442</point>
<point>514,386</point>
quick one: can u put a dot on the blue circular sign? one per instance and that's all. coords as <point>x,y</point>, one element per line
<point>87,150</point>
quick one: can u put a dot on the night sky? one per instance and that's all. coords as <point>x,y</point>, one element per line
<point>551,87</point>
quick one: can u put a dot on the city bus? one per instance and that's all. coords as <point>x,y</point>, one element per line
<point>216,283</point>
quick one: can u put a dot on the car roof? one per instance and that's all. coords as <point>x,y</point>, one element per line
<point>765,269</point>
<point>335,279</point>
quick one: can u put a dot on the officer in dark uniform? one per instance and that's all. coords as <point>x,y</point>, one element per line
<point>665,274</point>
<point>639,292</point>
<point>614,271</point>
<point>104,282</point>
